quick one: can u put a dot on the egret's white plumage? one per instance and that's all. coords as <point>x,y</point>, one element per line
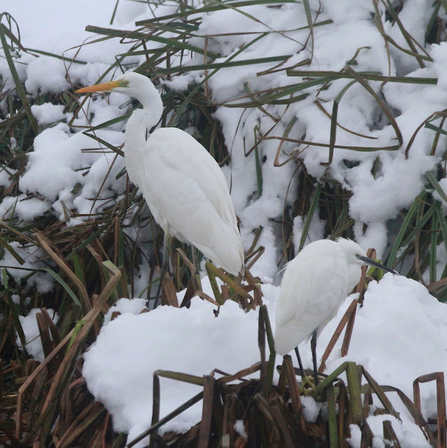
<point>315,284</point>
<point>182,184</point>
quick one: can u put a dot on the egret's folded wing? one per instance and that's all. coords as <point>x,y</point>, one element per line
<point>309,298</point>
<point>181,207</point>
<point>179,151</point>
<point>307,288</point>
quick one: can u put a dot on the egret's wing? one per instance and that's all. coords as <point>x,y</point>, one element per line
<point>182,198</point>
<point>311,288</point>
<point>181,152</point>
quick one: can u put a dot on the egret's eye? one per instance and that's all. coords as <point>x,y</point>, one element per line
<point>126,83</point>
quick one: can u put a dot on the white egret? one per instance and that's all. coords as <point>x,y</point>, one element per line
<point>315,284</point>
<point>183,185</point>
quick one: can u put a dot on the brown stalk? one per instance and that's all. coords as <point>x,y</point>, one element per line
<point>347,319</point>
<point>207,411</point>
<point>281,425</point>
<point>97,257</point>
<point>155,405</point>
<point>206,297</point>
<point>153,429</point>
<point>367,436</point>
<point>213,270</point>
<point>294,389</point>
<point>255,255</point>
<point>58,259</point>
<point>349,329</point>
<point>261,346</point>
<point>244,372</point>
<point>189,294</point>
<point>271,425</point>
<point>34,402</point>
<point>228,432</point>
<point>440,399</point>
<point>48,331</point>
<point>42,366</point>
<point>168,291</point>
<point>380,393</point>
<point>415,413</point>
<point>87,417</point>
<point>64,369</point>
<point>389,434</point>
<point>233,415</point>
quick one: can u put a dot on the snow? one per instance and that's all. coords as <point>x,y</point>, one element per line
<point>410,333</point>
<point>406,432</point>
<point>399,323</point>
<point>172,339</point>
<point>30,261</point>
<point>45,74</point>
<point>240,429</point>
<point>23,207</point>
<point>311,409</point>
<point>48,113</point>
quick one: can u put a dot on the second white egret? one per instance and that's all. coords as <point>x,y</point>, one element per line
<point>315,284</point>
<point>183,185</point>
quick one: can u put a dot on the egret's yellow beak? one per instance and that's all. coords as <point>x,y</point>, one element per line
<point>105,87</point>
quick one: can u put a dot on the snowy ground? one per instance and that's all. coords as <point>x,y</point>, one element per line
<point>400,333</point>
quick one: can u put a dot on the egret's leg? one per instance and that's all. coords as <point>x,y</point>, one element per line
<point>300,363</point>
<point>313,346</point>
<point>164,267</point>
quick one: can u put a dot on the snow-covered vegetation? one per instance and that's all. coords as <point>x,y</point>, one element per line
<point>327,118</point>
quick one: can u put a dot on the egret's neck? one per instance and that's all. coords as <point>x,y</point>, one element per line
<point>146,118</point>
<point>354,275</point>
<point>150,99</point>
<point>137,126</point>
<point>136,129</point>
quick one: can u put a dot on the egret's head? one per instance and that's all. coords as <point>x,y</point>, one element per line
<point>355,255</point>
<point>131,84</point>
<point>353,252</point>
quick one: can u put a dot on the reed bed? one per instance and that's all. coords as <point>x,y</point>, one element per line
<point>95,262</point>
